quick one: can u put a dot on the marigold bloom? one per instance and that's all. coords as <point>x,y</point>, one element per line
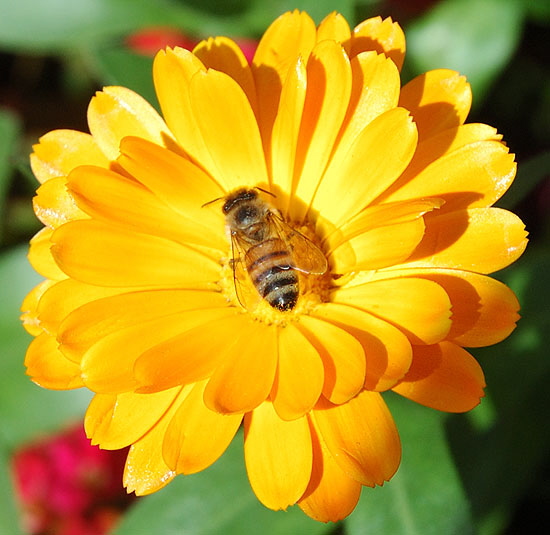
<point>389,182</point>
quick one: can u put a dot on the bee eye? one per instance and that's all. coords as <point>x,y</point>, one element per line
<point>246,215</point>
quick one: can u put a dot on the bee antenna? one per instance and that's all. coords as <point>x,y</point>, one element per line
<point>265,191</point>
<point>212,201</point>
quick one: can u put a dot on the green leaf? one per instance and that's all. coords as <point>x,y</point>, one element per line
<point>425,496</point>
<point>475,37</point>
<point>217,500</point>
<point>9,134</point>
<point>25,409</point>
<point>8,512</point>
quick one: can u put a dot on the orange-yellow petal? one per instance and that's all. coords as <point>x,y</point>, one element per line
<point>244,379</point>
<point>361,437</point>
<point>53,204</point>
<point>60,151</point>
<point>438,100</point>
<point>48,367</point>
<point>196,436</point>
<point>113,256</point>
<point>388,352</point>
<point>40,255</point>
<point>355,180</point>
<point>29,308</point>
<point>116,421</point>
<point>420,308</point>
<point>300,375</point>
<point>335,27</point>
<point>444,377</point>
<point>342,355</point>
<point>383,36</point>
<point>479,239</point>
<point>278,456</point>
<point>117,112</point>
<point>240,162</point>
<point>331,494</point>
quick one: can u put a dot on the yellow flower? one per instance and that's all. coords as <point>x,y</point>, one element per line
<point>139,304</point>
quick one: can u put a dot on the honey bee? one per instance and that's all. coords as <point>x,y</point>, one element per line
<point>271,251</point>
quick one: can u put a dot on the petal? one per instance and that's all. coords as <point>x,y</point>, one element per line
<point>241,162</point>
<point>172,73</point>
<point>331,494</point>
<point>359,173</point>
<point>289,37</point>
<point>388,352</point>
<point>40,255</point>
<point>327,97</point>
<point>112,256</point>
<point>361,437</point>
<point>48,367</point>
<point>29,308</point>
<point>116,421</point>
<point>299,378</point>
<point>146,471</point>
<point>383,36</point>
<point>438,100</point>
<point>278,456</point>
<point>375,90</point>
<point>335,27</point>
<point>60,151</point>
<point>342,355</point>
<point>245,377</point>
<point>472,175</point>
<point>420,308</point>
<point>485,311</point>
<point>224,55</point>
<point>53,204</point>
<point>479,239</point>
<point>444,377</point>
<point>378,248</point>
<point>193,353</point>
<point>117,112</point>
<point>196,436</point>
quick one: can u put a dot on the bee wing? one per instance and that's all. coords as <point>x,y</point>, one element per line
<point>246,294</point>
<point>306,256</point>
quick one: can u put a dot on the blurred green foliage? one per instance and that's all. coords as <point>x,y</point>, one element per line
<point>486,472</point>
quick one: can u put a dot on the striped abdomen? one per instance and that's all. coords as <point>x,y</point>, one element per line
<point>269,266</point>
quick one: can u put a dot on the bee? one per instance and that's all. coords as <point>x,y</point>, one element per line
<point>271,251</point>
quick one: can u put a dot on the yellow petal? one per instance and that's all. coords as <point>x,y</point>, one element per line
<point>480,239</point>
<point>485,311</point>
<point>48,367</point>
<point>299,377</point>
<point>472,175</point>
<point>289,37</point>
<point>117,112</point>
<point>116,421</point>
<point>286,130</point>
<point>245,377</point>
<point>335,27</point>
<point>327,97</point>
<point>40,255</point>
<point>224,55</point>
<point>60,151</point>
<point>420,308</point>
<point>388,352</point>
<point>361,437</point>
<point>193,353</point>
<point>383,36</point>
<point>331,494</point>
<point>278,456</point>
<point>359,173</point>
<point>342,355</point>
<point>29,308</point>
<point>222,112</point>
<point>53,204</point>
<point>146,471</point>
<point>438,100</point>
<point>196,436</point>
<point>172,73</point>
<point>378,248</point>
<point>375,90</point>
<point>444,377</point>
<point>113,256</point>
